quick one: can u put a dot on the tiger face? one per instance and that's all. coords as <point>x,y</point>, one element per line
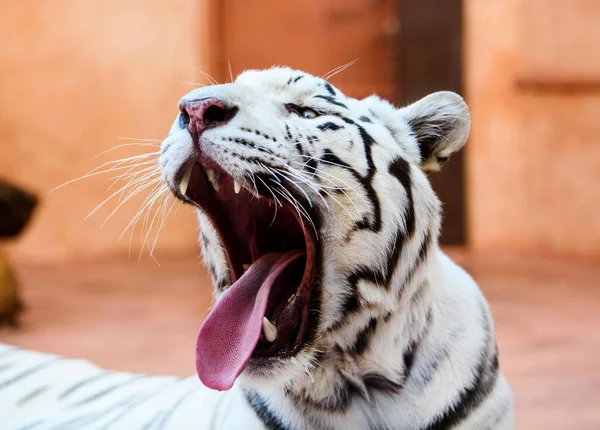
<point>314,211</point>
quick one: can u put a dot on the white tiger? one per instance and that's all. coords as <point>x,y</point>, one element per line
<point>335,308</point>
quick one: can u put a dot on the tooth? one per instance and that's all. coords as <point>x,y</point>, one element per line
<point>245,266</point>
<point>210,174</point>
<point>236,186</point>
<point>269,330</point>
<point>290,298</point>
<point>185,179</point>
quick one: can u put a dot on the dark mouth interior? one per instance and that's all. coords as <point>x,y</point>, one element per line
<point>250,227</point>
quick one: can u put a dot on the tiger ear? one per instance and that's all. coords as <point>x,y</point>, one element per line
<point>440,122</point>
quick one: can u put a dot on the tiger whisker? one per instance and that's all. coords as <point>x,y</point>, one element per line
<point>290,175</point>
<point>208,77</point>
<point>299,209</point>
<point>293,183</point>
<point>166,214</point>
<point>338,69</point>
<point>319,173</point>
<point>316,187</point>
<point>120,190</point>
<point>146,212</point>
<point>230,72</point>
<point>124,145</point>
<point>129,197</point>
<point>195,84</point>
<point>89,175</point>
<point>336,200</point>
<point>275,197</point>
<point>158,188</point>
<point>140,139</point>
<point>130,176</point>
<point>149,229</point>
<point>335,186</point>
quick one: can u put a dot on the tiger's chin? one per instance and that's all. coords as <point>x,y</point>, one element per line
<point>266,319</point>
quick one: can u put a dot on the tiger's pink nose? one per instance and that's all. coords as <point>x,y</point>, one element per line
<point>199,115</point>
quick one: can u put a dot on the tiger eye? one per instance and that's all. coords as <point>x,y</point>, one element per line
<point>309,113</point>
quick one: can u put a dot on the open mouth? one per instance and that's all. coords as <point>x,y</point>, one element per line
<point>271,252</point>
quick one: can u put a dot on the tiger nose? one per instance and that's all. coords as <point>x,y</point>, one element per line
<point>199,115</point>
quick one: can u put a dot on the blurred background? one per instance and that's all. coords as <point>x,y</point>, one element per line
<point>521,202</point>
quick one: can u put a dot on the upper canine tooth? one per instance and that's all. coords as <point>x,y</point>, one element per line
<point>236,186</point>
<point>210,173</point>
<point>185,179</point>
<point>269,330</point>
<point>245,266</point>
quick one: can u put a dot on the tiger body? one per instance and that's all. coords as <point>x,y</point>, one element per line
<point>394,335</point>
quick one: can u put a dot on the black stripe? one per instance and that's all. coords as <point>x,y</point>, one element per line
<point>381,383</point>
<point>260,407</point>
<point>204,240</point>
<point>472,396</point>
<point>126,405</point>
<point>329,126</point>
<point>338,401</point>
<point>423,252</point>
<point>368,143</point>
<point>29,372</point>
<point>365,119</point>
<point>32,425</point>
<point>400,169</point>
<point>32,395</point>
<point>298,78</point>
<point>84,421</point>
<point>366,181</point>
<point>135,400</point>
<point>350,304</point>
<point>299,148</point>
<point>312,163</point>
<point>332,100</point>
<point>110,389</point>
<point>362,339</point>
<point>329,88</point>
<point>251,144</point>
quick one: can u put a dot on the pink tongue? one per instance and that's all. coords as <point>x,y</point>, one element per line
<point>230,333</point>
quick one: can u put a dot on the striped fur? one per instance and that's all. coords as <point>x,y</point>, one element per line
<point>401,337</point>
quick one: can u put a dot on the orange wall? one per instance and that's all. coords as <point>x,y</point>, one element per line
<point>533,84</point>
<point>75,75</point>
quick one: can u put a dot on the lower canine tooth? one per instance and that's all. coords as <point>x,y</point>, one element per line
<point>185,179</point>
<point>236,187</point>
<point>269,330</point>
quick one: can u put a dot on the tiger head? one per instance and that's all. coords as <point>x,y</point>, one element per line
<point>315,214</point>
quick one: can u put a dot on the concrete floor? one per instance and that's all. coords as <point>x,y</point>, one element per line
<point>140,317</point>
